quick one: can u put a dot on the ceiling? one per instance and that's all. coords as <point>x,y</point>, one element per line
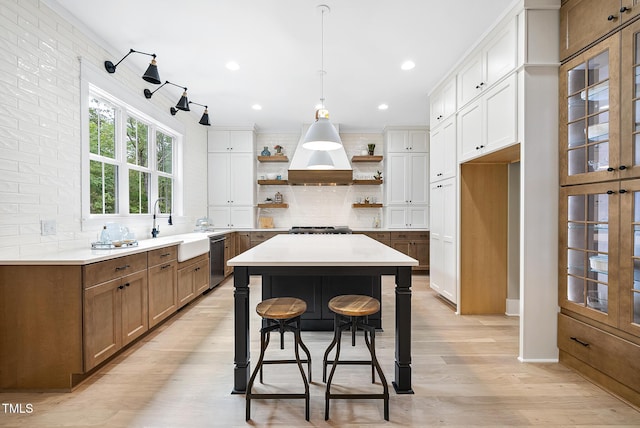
<point>277,44</point>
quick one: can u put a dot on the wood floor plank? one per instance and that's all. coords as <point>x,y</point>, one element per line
<point>465,373</point>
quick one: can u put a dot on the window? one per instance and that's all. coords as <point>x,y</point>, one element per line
<point>131,160</point>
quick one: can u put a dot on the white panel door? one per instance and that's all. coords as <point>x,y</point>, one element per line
<point>435,238</point>
<point>242,180</point>
<point>500,111</point>
<point>241,141</point>
<point>242,217</point>
<point>418,141</point>
<point>397,141</point>
<point>470,130</point>
<point>396,217</point>
<point>418,217</point>
<point>449,240</point>
<point>500,54</point>
<point>396,182</point>
<point>418,178</point>
<point>220,216</point>
<point>470,82</point>
<point>218,179</point>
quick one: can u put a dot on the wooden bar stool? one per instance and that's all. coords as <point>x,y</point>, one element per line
<point>350,313</point>
<point>281,314</point>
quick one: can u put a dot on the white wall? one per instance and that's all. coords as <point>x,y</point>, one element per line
<point>40,131</point>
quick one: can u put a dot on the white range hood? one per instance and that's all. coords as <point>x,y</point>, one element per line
<point>299,174</point>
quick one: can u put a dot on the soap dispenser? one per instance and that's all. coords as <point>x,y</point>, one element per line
<point>104,235</point>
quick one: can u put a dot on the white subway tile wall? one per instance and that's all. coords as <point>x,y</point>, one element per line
<point>40,138</point>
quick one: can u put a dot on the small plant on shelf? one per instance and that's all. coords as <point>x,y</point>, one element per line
<point>378,175</point>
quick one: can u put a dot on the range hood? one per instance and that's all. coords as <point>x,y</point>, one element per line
<point>340,175</point>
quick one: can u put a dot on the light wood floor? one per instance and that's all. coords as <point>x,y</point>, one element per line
<point>465,373</point>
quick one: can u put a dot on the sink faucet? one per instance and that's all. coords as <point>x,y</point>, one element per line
<point>156,228</point>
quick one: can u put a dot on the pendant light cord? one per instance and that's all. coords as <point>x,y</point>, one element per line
<point>322,59</point>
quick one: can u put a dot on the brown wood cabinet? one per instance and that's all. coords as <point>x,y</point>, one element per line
<point>115,314</point>
<point>243,242</point>
<point>163,288</point>
<point>599,231</point>
<point>583,22</point>
<point>259,237</point>
<point>414,244</point>
<point>229,252</point>
<point>193,278</point>
<point>384,237</point>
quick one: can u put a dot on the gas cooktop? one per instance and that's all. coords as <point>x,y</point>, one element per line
<point>322,230</point>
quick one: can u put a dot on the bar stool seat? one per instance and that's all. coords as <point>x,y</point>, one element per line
<point>350,313</point>
<point>281,314</point>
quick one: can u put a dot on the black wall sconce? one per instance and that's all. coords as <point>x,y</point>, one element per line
<point>204,120</point>
<point>151,75</point>
<point>183,102</point>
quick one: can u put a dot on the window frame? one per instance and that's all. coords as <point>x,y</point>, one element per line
<point>95,84</point>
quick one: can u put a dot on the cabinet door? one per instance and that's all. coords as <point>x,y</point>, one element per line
<point>220,216</point>
<point>242,217</point>
<point>241,141</point>
<point>396,217</point>
<point>584,21</point>
<point>589,115</point>
<point>163,297</point>
<point>588,258</point>
<point>397,182</point>
<point>418,141</point>
<point>436,156</point>
<point>243,242</point>
<point>630,256</point>
<point>419,250</point>
<point>629,166</point>
<point>500,55</point>
<point>435,240</point>
<point>418,178</point>
<point>397,141</point>
<point>218,179</point>
<point>418,217</point>
<point>449,240</point>
<point>500,114</point>
<point>470,130</point>
<point>470,80</point>
<point>186,285</point>
<point>201,276</point>
<point>102,322</point>
<point>242,179</point>
<point>218,141</point>
<point>135,308</point>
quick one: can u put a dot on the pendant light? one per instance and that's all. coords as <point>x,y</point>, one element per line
<point>183,102</point>
<point>322,135</point>
<point>151,75</point>
<point>320,159</point>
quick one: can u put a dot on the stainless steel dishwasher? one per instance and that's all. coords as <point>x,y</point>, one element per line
<point>216,260</point>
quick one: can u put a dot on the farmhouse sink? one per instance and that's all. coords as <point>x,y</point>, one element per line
<point>192,245</point>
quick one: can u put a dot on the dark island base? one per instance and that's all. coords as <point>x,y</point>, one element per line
<point>316,291</point>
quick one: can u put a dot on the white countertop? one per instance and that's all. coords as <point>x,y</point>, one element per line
<point>83,256</point>
<point>322,250</point>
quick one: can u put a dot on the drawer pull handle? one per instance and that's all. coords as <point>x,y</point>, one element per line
<point>575,339</point>
<point>611,18</point>
<point>121,287</point>
<point>127,284</point>
<point>119,268</point>
<point>165,266</point>
<point>165,254</point>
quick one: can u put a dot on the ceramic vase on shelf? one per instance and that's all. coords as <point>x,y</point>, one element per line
<point>265,152</point>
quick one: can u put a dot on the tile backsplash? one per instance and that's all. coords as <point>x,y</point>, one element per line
<point>321,205</point>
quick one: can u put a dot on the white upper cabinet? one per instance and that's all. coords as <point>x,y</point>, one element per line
<point>239,141</point>
<point>403,141</point>
<point>497,58</point>
<point>490,122</point>
<point>442,153</point>
<point>443,102</point>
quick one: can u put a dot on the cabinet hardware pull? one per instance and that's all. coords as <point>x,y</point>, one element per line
<point>165,254</point>
<point>127,284</point>
<point>624,9</point>
<point>622,167</point>
<point>165,266</point>
<point>611,18</point>
<point>622,191</point>
<point>119,268</point>
<point>575,339</point>
<point>610,192</point>
<point>610,169</point>
<point>121,287</point>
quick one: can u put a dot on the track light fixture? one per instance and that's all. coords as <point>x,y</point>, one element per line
<point>151,75</point>
<point>183,102</point>
<point>204,120</point>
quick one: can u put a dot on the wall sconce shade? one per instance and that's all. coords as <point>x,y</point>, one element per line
<point>151,75</point>
<point>204,120</point>
<point>320,159</point>
<point>183,102</point>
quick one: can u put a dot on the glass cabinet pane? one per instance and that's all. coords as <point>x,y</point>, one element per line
<point>576,79</point>
<point>598,68</point>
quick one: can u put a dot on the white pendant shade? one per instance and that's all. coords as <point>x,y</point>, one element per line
<point>320,159</point>
<point>322,135</point>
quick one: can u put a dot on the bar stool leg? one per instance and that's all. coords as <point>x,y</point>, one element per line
<point>306,350</point>
<point>338,339</point>
<point>374,359</point>
<point>330,347</point>
<point>263,347</point>
<point>298,341</point>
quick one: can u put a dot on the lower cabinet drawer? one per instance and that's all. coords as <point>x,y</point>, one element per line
<point>613,356</point>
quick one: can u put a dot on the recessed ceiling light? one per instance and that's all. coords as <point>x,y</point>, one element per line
<point>256,107</point>
<point>233,66</point>
<point>408,65</point>
<point>383,107</point>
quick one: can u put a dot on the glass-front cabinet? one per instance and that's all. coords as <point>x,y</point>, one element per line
<point>600,252</point>
<point>589,115</point>
<point>630,102</point>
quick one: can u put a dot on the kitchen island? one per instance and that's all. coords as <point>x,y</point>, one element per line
<point>322,259</point>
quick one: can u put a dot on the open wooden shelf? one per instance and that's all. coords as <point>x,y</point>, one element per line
<point>273,182</point>
<point>273,158</point>
<point>367,158</point>
<point>367,205</point>
<point>273,205</point>
<point>367,182</point>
